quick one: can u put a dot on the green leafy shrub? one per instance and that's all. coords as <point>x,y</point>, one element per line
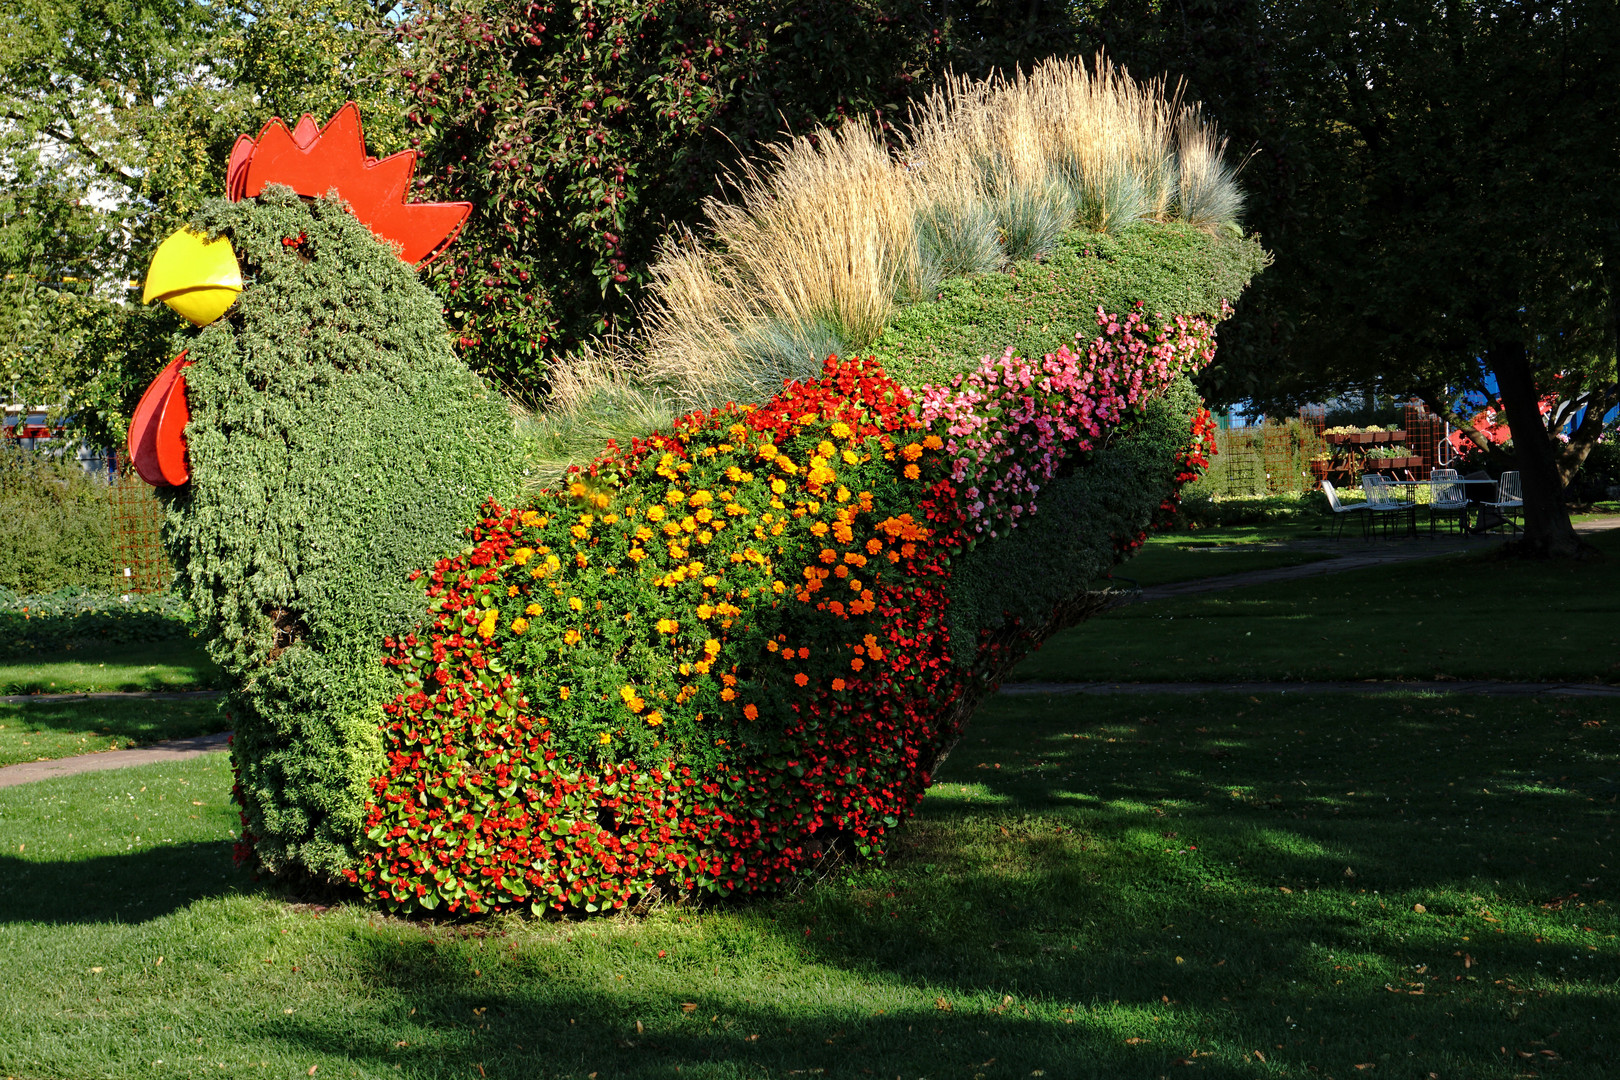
<point>72,618</point>
<point>55,525</point>
<point>336,443</point>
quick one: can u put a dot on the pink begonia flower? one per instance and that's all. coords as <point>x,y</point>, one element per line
<point>1010,425</point>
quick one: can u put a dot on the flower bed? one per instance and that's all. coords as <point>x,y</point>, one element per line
<point>725,651</point>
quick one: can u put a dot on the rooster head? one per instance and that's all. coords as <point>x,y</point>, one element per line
<point>200,276</point>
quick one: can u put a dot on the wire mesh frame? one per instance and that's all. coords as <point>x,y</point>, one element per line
<point>140,563</point>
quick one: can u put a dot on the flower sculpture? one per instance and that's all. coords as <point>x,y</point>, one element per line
<point>709,659</point>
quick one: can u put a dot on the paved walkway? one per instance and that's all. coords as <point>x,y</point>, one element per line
<point>157,754</point>
<point>111,695</point>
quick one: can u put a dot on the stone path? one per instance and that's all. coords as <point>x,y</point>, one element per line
<point>157,754</point>
<point>111,695</point>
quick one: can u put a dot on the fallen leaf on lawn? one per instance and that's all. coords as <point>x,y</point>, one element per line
<point>95,971</point>
<point>401,1042</point>
<point>1284,888</point>
<point>1369,1065</point>
<point>1526,1054</point>
<point>1259,1055</point>
<point>1179,960</point>
<point>1184,1061</point>
<point>1548,1053</point>
<point>1419,908</point>
<point>1136,1041</point>
<point>312,1069</point>
<point>1468,961</point>
<point>752,1038</point>
<point>942,1005</point>
<point>688,1006</point>
<point>639,1028</point>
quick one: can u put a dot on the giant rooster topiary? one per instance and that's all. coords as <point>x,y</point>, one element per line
<point>705,659</point>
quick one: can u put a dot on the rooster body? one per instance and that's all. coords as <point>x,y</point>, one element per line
<point>336,443</point>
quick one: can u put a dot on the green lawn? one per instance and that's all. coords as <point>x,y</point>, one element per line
<point>1472,616</point>
<point>154,665</point>
<point>37,730</point>
<point>1114,887</point>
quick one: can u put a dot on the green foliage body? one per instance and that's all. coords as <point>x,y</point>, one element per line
<point>1038,307</point>
<point>55,525</point>
<point>336,443</point>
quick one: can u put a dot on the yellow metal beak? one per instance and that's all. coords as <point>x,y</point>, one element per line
<point>197,277</point>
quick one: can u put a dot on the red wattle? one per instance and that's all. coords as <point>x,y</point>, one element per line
<point>157,442</point>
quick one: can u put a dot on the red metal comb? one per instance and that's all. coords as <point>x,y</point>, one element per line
<point>315,161</point>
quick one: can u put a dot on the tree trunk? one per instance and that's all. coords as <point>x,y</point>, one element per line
<point>1548,533</point>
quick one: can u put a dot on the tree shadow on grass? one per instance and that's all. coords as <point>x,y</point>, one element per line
<point>128,888</point>
<point>1173,899</point>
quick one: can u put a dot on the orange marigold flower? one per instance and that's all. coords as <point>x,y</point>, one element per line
<point>802,679</point>
<point>911,451</point>
<point>934,442</point>
<point>857,663</point>
<point>727,694</point>
<point>750,711</point>
<point>912,472</point>
<point>668,626</point>
<point>838,684</point>
<point>563,692</point>
<point>571,637</point>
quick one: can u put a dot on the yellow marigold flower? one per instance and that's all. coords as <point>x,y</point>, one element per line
<point>771,646</point>
<point>701,497</point>
<point>778,587</point>
<point>655,513</point>
<point>778,486</point>
<point>563,692</point>
<point>576,604</point>
<point>654,718</point>
<point>702,667</point>
<point>627,692</point>
<point>711,581</point>
<point>519,625</point>
<point>843,493</point>
<point>534,609</point>
<point>711,646</point>
<point>579,531</point>
<point>605,737</point>
<point>636,704</point>
<point>851,457</point>
<point>486,625</point>
<point>704,611</point>
<point>576,489</point>
<point>674,496</point>
<point>841,430</point>
<point>636,553</point>
<point>786,465</point>
<point>826,449</point>
<point>522,555</point>
<point>704,515</point>
<point>668,626</point>
<point>529,518</point>
<point>912,472</point>
<point>571,637</point>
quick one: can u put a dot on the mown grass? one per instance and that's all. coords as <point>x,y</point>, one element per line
<point>1098,887</point>
<point>1164,559</point>
<point>45,730</point>
<point>97,668</point>
<point>1469,616</point>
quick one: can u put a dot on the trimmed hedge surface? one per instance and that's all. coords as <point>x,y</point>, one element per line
<point>336,443</point>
